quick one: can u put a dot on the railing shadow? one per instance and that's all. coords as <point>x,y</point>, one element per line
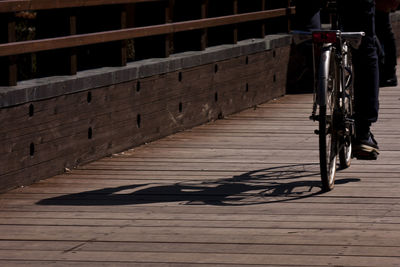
<point>276,184</point>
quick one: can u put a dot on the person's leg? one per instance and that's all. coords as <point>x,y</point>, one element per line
<point>359,15</point>
<point>387,40</point>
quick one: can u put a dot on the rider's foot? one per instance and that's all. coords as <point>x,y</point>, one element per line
<point>365,147</point>
<point>389,82</point>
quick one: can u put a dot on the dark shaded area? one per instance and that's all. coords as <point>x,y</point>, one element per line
<point>277,184</point>
<point>300,74</point>
<point>146,14</point>
<point>97,19</point>
<point>223,34</point>
<point>53,62</point>
<point>189,40</point>
<point>300,77</point>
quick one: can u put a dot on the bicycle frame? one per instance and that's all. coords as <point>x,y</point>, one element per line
<point>326,44</point>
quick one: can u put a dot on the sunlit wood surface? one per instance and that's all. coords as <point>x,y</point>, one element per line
<point>242,191</point>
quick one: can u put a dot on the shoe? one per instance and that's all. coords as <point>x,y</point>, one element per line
<point>365,147</point>
<point>388,82</point>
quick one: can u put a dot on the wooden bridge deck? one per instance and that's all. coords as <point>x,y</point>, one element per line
<point>243,191</point>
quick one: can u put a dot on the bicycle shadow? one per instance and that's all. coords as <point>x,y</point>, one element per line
<point>276,184</point>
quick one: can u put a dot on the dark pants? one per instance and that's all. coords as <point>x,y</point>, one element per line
<point>359,15</point>
<point>387,40</point>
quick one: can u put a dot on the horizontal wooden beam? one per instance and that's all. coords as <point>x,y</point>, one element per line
<point>16,48</point>
<point>7,6</point>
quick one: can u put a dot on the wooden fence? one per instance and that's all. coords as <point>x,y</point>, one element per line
<point>40,38</point>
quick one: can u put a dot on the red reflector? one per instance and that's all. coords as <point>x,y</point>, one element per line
<point>324,37</point>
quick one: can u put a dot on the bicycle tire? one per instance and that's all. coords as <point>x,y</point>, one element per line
<point>345,153</point>
<point>346,149</point>
<point>328,81</point>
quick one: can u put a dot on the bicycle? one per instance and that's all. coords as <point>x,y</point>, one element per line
<point>333,98</point>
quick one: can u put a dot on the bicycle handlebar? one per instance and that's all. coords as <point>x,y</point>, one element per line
<point>354,38</point>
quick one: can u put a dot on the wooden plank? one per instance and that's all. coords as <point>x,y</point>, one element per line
<point>235,28</point>
<point>24,5</point>
<point>123,55</point>
<point>169,18</point>
<point>25,214</point>
<point>205,258</point>
<point>204,33</point>
<point>311,223</point>
<point>200,208</point>
<point>106,264</point>
<point>73,58</point>
<point>200,248</point>
<point>263,25</point>
<point>132,233</point>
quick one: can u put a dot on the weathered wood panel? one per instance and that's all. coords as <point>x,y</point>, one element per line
<point>42,138</point>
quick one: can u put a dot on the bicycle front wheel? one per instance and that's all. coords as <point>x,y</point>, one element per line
<point>328,141</point>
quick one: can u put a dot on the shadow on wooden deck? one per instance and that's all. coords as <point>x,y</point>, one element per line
<point>251,188</point>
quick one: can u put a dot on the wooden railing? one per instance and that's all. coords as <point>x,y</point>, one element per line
<point>73,35</point>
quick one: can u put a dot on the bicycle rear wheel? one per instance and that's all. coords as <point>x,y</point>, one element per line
<point>345,153</point>
<point>329,81</point>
